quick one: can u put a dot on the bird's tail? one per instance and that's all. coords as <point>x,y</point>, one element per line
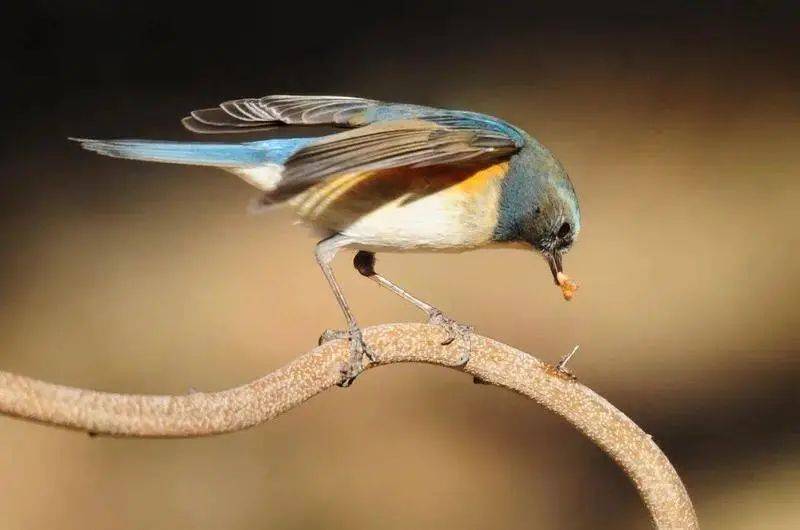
<point>259,163</point>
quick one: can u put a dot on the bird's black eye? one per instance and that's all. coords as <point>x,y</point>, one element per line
<point>564,230</point>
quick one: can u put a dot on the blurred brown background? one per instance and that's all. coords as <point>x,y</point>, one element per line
<point>680,127</point>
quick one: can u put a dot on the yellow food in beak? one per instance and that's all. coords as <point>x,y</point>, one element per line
<point>567,285</point>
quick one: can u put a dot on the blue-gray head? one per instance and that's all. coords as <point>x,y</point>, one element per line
<point>539,206</point>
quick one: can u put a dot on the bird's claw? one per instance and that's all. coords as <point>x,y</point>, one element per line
<point>456,331</point>
<point>358,351</point>
<point>332,334</point>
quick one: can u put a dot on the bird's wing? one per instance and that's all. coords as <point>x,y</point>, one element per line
<point>387,135</point>
<point>391,144</point>
<point>254,114</point>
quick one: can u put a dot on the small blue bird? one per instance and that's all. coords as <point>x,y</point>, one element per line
<point>404,178</point>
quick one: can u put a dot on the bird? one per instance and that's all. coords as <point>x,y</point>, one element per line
<point>389,177</point>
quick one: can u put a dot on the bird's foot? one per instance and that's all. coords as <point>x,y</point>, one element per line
<point>456,332</point>
<point>332,334</point>
<point>358,351</point>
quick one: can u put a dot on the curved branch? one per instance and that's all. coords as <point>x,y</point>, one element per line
<point>491,362</point>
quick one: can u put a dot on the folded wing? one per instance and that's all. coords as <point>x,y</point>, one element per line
<point>253,114</point>
<point>386,135</point>
<point>392,144</point>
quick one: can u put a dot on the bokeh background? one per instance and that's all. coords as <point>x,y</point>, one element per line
<point>680,126</point>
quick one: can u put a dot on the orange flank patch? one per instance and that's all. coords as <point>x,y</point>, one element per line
<point>483,177</point>
<point>356,194</point>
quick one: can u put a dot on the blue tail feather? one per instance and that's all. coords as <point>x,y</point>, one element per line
<point>249,154</point>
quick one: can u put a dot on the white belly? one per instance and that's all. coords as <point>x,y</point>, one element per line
<point>437,221</point>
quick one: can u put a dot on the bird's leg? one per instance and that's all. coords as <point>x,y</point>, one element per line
<point>364,262</point>
<point>325,252</point>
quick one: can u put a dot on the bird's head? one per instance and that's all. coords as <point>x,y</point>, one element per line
<point>554,228</point>
<point>539,208</point>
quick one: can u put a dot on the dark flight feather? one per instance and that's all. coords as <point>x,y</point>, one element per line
<point>281,110</point>
<point>399,143</point>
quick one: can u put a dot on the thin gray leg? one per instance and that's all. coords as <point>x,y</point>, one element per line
<point>364,262</point>
<point>325,252</point>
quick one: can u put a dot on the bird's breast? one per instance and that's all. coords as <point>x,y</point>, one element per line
<point>435,208</point>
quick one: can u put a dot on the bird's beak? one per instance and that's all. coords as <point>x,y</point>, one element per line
<point>554,260</point>
<point>567,285</point>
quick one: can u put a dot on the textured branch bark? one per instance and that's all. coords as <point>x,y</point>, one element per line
<point>200,414</point>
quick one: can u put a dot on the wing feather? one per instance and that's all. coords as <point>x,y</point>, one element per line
<point>302,110</point>
<point>219,117</point>
<point>196,126</point>
<point>240,110</point>
<point>399,143</point>
<point>288,110</point>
